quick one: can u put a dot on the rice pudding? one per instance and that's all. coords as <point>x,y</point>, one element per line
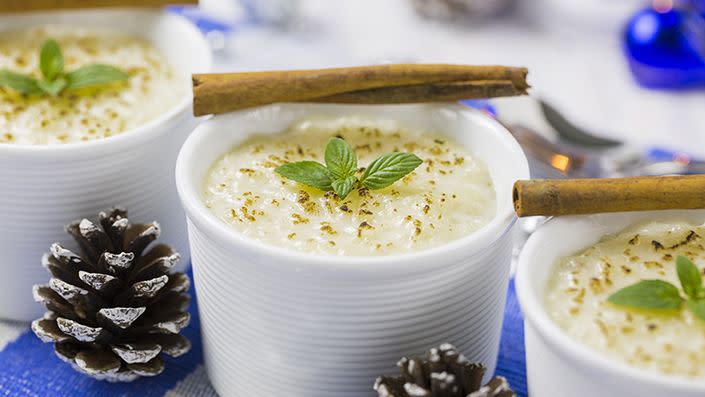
<point>449,196</point>
<point>89,113</point>
<point>577,293</point>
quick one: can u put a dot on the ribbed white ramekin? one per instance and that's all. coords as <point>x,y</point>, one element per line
<point>42,188</point>
<point>277,321</point>
<point>557,365</point>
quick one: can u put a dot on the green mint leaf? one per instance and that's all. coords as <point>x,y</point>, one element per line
<point>96,74</point>
<point>340,159</point>
<point>648,294</point>
<point>51,61</point>
<point>343,187</point>
<point>309,173</point>
<point>52,88</point>
<point>19,82</point>
<point>690,277</point>
<point>388,169</point>
<point>698,308</point>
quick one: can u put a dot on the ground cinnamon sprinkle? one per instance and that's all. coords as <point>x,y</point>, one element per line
<point>404,217</point>
<point>35,120</point>
<point>576,298</point>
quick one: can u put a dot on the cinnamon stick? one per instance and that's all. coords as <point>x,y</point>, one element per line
<point>433,92</point>
<point>549,197</point>
<point>39,5</point>
<point>402,83</point>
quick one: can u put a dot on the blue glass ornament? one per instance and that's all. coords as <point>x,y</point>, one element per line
<point>666,47</point>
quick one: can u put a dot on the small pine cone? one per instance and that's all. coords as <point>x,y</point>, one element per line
<point>444,373</point>
<point>457,10</point>
<point>114,309</point>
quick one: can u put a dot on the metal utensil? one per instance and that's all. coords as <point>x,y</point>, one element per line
<point>618,158</point>
<point>572,133</point>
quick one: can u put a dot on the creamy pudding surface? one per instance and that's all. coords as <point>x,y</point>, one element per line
<point>92,112</point>
<point>577,293</point>
<point>447,197</point>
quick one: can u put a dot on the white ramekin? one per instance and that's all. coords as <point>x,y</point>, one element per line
<point>315,325</point>
<point>557,365</point>
<point>45,187</point>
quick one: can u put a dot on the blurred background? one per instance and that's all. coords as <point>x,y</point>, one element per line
<point>618,85</point>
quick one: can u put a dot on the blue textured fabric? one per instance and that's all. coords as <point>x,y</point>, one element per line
<point>512,357</point>
<point>29,367</point>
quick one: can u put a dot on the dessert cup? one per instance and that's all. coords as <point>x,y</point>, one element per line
<point>321,325</point>
<point>46,187</point>
<point>559,366</point>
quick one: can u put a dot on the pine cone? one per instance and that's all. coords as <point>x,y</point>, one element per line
<point>114,309</point>
<point>445,373</point>
<point>457,10</point>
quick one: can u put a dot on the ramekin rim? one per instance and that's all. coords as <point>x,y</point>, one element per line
<point>140,133</point>
<point>488,234</point>
<point>553,336</point>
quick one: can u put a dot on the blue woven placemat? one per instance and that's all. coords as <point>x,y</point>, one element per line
<point>29,367</point>
<point>512,357</point>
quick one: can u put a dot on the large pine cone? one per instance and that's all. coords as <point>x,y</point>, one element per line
<point>114,309</point>
<point>445,373</point>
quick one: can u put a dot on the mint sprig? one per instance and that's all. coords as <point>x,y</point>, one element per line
<point>389,168</point>
<point>649,294</point>
<point>341,160</point>
<point>55,79</point>
<point>95,74</point>
<point>309,173</point>
<point>663,296</point>
<point>338,174</point>
<point>690,278</point>
<point>51,60</point>
<point>19,82</point>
